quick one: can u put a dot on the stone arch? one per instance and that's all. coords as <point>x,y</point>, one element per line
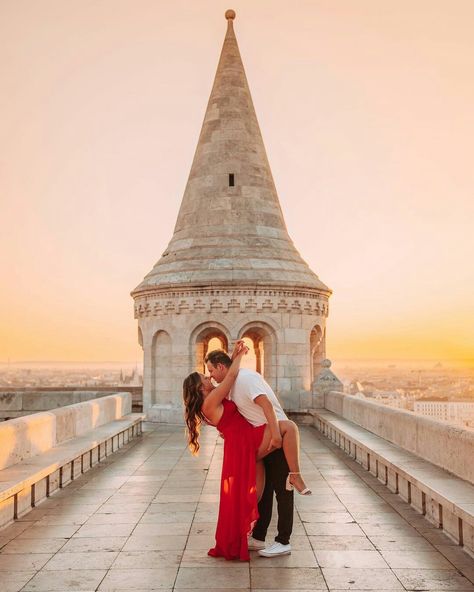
<point>263,338</point>
<point>162,388</point>
<point>200,338</point>
<point>317,351</point>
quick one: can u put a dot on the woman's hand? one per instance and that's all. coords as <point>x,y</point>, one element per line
<point>240,349</point>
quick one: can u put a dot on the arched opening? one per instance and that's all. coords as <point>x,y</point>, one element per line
<point>210,337</point>
<point>255,358</point>
<point>261,341</point>
<point>162,391</point>
<point>316,346</point>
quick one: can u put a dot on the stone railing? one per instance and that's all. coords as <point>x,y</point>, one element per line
<point>43,452</point>
<point>27,436</point>
<point>448,447</point>
<point>16,402</point>
<point>429,464</point>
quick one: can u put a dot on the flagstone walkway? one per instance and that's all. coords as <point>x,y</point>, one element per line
<point>144,519</point>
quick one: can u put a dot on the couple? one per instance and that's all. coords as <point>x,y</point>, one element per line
<point>261,454</point>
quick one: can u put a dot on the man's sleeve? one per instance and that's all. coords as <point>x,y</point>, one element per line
<point>254,386</point>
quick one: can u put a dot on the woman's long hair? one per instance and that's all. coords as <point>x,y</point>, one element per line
<point>193,399</point>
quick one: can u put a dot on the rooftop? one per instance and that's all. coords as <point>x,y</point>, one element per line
<point>144,518</point>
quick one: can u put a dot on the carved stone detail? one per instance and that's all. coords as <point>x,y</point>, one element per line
<point>231,301</point>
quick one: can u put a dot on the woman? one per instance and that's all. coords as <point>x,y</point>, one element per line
<point>243,474</point>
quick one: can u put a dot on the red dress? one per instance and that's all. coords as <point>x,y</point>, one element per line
<point>238,502</point>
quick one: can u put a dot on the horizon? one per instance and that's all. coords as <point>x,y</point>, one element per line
<point>445,365</point>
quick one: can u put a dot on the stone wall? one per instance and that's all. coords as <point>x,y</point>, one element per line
<point>448,447</point>
<point>174,329</point>
<point>24,401</point>
<point>25,437</point>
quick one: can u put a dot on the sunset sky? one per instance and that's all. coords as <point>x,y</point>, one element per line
<point>367,113</point>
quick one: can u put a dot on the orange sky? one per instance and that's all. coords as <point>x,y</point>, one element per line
<point>366,109</point>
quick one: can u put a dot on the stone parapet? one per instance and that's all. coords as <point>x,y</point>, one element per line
<point>448,447</point>
<point>17,402</point>
<point>28,436</point>
<point>44,452</point>
<point>445,500</point>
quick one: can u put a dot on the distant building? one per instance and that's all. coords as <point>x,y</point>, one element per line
<point>455,412</point>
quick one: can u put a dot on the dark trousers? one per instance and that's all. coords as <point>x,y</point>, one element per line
<point>276,472</point>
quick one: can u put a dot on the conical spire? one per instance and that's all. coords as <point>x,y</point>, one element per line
<point>230,227</point>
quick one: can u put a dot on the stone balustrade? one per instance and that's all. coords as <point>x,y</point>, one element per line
<point>446,446</point>
<point>17,402</point>
<point>428,463</point>
<point>44,451</point>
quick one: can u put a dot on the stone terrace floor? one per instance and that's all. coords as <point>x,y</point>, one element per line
<point>144,519</point>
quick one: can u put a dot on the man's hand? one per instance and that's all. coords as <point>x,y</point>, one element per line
<point>276,441</point>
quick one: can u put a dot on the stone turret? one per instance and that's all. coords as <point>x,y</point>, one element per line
<point>230,270</point>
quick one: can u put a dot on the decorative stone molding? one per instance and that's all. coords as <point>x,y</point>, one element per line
<point>231,301</point>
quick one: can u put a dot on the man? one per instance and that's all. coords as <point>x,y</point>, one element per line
<point>258,403</point>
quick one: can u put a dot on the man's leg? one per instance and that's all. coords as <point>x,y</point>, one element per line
<point>264,509</point>
<point>277,472</point>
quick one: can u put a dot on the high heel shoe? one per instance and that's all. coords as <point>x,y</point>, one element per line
<point>291,487</point>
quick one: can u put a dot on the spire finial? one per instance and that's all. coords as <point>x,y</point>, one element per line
<point>230,14</point>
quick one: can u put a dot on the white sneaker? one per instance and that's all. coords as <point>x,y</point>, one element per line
<point>275,550</point>
<point>255,544</point>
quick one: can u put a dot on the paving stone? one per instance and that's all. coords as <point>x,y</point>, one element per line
<point>147,559</point>
<point>82,544</point>
<point>324,529</point>
<point>416,559</point>
<point>328,517</point>
<point>276,578</point>
<point>34,546</point>
<point>401,543</point>
<point>431,579</point>
<point>82,560</point>
<point>297,559</point>
<point>349,543</point>
<point>205,577</point>
<point>23,562</point>
<point>102,530</point>
<point>43,531</point>
<point>155,543</point>
<point>13,581</point>
<point>361,579</point>
<point>76,580</point>
<point>344,558</point>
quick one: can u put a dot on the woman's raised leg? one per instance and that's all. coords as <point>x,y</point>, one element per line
<point>291,447</point>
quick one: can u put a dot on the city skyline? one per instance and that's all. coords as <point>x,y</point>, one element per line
<point>100,141</point>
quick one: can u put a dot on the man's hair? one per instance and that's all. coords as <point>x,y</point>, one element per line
<point>218,356</point>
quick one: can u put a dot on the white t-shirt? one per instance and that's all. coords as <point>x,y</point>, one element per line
<point>247,387</point>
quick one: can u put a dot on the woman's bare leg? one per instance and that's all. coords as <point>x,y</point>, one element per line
<point>291,447</point>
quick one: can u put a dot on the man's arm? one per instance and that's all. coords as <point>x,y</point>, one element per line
<point>276,439</point>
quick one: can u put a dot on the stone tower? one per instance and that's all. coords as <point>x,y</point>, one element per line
<point>230,270</point>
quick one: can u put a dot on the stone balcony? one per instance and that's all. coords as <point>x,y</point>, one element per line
<point>144,517</point>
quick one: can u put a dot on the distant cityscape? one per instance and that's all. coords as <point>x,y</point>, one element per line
<point>57,375</point>
<point>443,393</point>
